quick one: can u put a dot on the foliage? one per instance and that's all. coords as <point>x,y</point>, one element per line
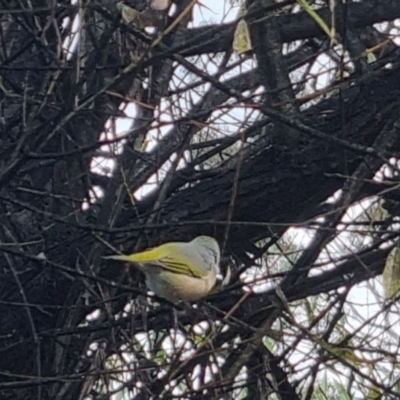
<point>122,132</point>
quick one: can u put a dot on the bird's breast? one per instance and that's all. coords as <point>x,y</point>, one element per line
<point>176,287</point>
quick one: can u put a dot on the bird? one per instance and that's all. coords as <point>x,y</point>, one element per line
<point>179,271</point>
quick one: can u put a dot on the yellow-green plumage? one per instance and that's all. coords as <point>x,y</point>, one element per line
<point>179,270</point>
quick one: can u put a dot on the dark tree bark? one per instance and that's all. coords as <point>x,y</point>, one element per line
<point>58,109</point>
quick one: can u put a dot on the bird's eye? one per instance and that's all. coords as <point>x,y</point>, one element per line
<point>214,254</point>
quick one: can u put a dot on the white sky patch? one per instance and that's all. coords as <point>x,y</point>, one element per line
<point>209,12</point>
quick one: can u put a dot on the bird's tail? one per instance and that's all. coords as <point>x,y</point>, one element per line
<point>146,256</point>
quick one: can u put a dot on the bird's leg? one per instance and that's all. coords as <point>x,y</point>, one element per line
<point>182,309</point>
<point>175,319</point>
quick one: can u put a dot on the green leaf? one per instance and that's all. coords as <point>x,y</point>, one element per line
<point>310,11</point>
<point>391,274</point>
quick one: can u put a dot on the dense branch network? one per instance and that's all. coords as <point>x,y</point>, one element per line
<point>301,137</point>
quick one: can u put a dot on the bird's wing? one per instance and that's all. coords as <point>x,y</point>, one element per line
<point>182,265</point>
